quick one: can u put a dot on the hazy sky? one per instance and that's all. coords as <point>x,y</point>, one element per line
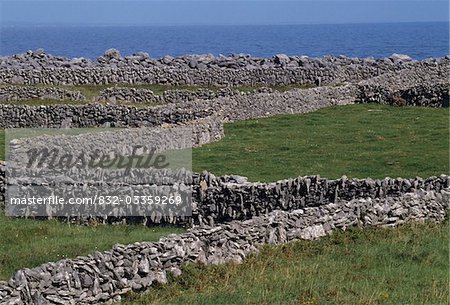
<point>172,12</point>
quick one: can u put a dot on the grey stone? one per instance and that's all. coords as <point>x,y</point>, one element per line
<point>38,53</point>
<point>282,59</point>
<point>142,55</point>
<point>193,63</point>
<point>167,59</point>
<point>112,54</point>
<point>396,58</point>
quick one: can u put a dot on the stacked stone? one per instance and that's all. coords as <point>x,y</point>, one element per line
<point>223,199</point>
<point>137,95</point>
<point>18,93</point>
<point>134,95</point>
<point>179,95</point>
<point>236,69</point>
<point>426,95</point>
<point>266,104</point>
<point>426,86</point>
<point>423,95</point>
<point>227,199</point>
<point>237,107</point>
<point>95,115</point>
<point>105,276</point>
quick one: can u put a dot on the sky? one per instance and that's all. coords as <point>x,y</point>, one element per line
<point>215,12</point>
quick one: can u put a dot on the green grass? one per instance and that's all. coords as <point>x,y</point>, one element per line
<point>408,265</point>
<point>355,140</point>
<point>405,265</point>
<point>29,243</point>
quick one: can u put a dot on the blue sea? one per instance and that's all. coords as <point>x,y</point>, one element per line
<point>418,40</point>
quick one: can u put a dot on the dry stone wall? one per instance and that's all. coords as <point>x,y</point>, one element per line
<point>239,69</point>
<point>106,276</point>
<point>138,95</point>
<point>296,101</point>
<point>17,93</point>
<point>223,199</point>
<point>424,95</point>
<point>238,107</point>
<point>105,140</point>
<point>427,86</point>
<point>431,71</point>
<point>428,96</point>
<point>424,84</point>
<point>233,198</point>
<point>95,115</point>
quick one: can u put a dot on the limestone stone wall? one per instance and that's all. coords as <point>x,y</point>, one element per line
<point>17,93</point>
<point>223,199</point>
<point>106,140</point>
<point>139,95</point>
<point>226,107</point>
<point>234,198</point>
<point>106,276</point>
<point>95,115</point>
<point>424,84</point>
<point>237,107</point>
<point>428,86</point>
<point>238,69</point>
<point>424,95</point>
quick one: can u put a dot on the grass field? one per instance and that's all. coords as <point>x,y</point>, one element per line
<point>355,140</point>
<point>375,266</point>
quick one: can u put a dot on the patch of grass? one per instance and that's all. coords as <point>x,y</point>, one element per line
<point>354,140</point>
<point>373,266</point>
<point>91,92</point>
<point>30,243</point>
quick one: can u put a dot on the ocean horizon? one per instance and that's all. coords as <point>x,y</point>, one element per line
<point>416,39</point>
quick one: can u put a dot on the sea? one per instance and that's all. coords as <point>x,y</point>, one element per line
<point>418,40</point>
